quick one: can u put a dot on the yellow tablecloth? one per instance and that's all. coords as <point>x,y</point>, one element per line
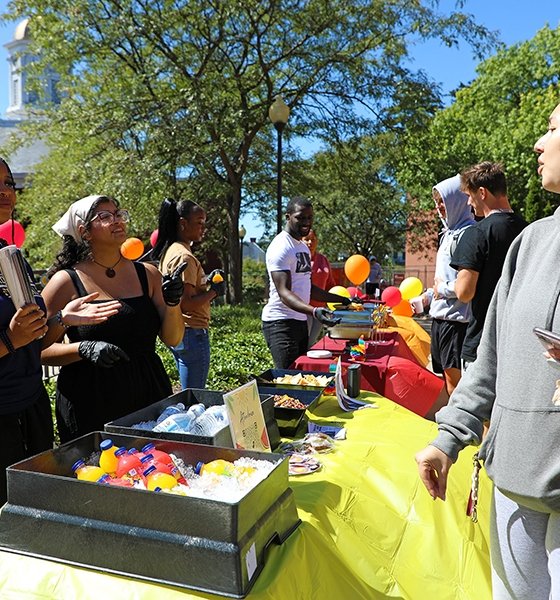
<point>369,530</point>
<point>417,339</point>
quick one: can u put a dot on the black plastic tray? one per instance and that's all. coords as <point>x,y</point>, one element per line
<point>177,540</point>
<point>267,378</point>
<point>289,419</point>
<point>189,397</point>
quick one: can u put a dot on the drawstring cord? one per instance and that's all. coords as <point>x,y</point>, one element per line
<point>473,497</point>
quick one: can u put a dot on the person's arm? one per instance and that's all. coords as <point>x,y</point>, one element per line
<point>465,284</point>
<point>65,309</point>
<point>461,422</point>
<point>282,280</point>
<point>27,325</point>
<point>172,325</point>
<point>322,295</point>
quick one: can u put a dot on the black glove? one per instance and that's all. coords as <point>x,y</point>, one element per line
<point>101,354</point>
<point>219,287</point>
<point>172,286</point>
<point>344,301</point>
<point>325,316</point>
<point>356,300</point>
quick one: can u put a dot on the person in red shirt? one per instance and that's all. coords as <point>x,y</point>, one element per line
<point>321,276</point>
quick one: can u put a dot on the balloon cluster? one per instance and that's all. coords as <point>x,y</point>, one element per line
<point>398,298</point>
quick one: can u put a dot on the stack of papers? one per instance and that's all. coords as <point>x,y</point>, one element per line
<point>16,277</point>
<point>346,402</point>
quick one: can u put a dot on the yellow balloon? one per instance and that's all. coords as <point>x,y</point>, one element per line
<point>410,288</point>
<point>339,290</point>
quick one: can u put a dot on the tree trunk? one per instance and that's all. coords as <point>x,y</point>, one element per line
<point>234,244</point>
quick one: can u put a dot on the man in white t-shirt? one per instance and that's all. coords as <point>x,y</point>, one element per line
<point>288,262</point>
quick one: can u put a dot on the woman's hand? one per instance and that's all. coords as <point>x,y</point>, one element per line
<point>433,467</point>
<point>80,312</point>
<point>27,325</point>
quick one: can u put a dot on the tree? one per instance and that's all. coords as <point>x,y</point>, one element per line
<point>498,117</point>
<point>172,96</point>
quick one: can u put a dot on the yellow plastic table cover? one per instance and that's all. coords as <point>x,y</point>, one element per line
<point>369,529</point>
<point>417,339</point>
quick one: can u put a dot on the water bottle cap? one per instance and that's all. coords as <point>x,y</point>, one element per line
<point>120,451</point>
<point>106,444</point>
<point>79,463</point>
<point>198,467</point>
<point>149,470</point>
<point>147,458</point>
<point>148,447</point>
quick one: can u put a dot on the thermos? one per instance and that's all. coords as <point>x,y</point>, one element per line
<point>354,375</point>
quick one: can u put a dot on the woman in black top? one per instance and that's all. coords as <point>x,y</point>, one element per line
<point>26,426</point>
<point>111,369</point>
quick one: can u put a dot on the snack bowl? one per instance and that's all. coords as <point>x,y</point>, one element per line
<point>267,378</point>
<point>289,419</point>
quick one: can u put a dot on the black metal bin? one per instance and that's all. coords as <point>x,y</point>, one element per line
<point>289,419</point>
<point>189,397</point>
<point>177,540</point>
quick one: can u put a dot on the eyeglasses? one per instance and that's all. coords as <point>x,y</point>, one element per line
<point>108,218</point>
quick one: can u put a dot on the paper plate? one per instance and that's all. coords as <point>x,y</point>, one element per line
<point>319,354</point>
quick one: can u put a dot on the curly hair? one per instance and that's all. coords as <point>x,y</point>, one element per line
<point>170,212</point>
<point>74,252</point>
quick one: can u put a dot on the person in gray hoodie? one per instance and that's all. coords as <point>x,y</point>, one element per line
<point>517,388</point>
<point>450,316</point>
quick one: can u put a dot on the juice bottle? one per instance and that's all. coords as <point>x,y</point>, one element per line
<point>162,461</point>
<point>218,466</point>
<point>156,479</point>
<point>87,472</point>
<point>107,480</point>
<point>150,448</point>
<point>108,461</point>
<point>129,464</point>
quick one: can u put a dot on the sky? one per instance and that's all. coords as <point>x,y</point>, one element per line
<point>514,21</point>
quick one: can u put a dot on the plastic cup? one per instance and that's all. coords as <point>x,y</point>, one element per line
<point>417,305</point>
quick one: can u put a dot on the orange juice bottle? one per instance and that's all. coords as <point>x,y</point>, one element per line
<point>155,479</point>
<point>108,461</point>
<point>87,472</point>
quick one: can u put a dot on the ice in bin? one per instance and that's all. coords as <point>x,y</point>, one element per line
<point>199,543</point>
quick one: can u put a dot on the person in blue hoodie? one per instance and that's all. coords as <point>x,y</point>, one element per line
<point>450,316</point>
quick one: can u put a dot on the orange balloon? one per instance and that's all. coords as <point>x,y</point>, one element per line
<point>357,269</point>
<point>132,248</point>
<point>403,309</point>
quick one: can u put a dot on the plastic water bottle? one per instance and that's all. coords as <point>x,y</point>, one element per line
<point>155,478</point>
<point>87,472</point>
<point>181,422</point>
<point>210,421</point>
<point>108,461</point>
<point>172,409</point>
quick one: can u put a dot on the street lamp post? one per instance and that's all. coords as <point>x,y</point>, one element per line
<point>242,234</point>
<point>279,113</point>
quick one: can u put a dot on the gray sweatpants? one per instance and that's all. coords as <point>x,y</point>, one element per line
<point>525,551</point>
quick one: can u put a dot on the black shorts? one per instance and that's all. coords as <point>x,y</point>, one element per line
<point>447,344</point>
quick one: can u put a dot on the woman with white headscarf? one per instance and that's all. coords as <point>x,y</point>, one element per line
<point>26,426</point>
<point>111,369</point>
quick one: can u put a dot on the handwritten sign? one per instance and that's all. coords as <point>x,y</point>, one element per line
<point>246,418</point>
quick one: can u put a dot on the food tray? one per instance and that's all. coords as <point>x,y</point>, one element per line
<point>267,378</point>
<point>289,419</point>
<point>189,397</point>
<point>207,545</point>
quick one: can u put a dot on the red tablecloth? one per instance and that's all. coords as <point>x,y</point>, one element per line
<point>387,370</point>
